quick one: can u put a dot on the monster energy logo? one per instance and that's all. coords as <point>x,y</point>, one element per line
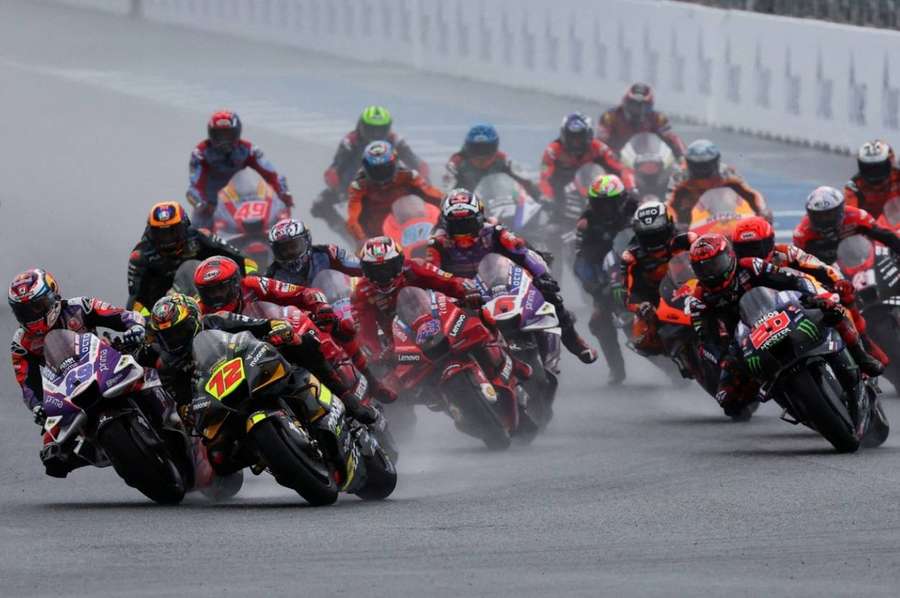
<point>754,363</point>
<point>809,329</point>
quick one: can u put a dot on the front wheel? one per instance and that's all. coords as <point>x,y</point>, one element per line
<point>473,414</point>
<point>140,458</point>
<point>381,476</point>
<point>293,461</point>
<point>818,397</point>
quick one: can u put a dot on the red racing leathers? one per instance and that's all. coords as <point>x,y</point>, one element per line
<point>856,222</point>
<point>374,308</point>
<point>212,168</point>
<point>79,314</point>
<point>687,192</point>
<point>369,203</point>
<point>871,198</point>
<point>558,166</point>
<point>615,129</point>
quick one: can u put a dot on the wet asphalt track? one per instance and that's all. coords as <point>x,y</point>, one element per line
<point>643,490</point>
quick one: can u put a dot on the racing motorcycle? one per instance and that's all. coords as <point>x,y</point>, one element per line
<point>803,364</point>
<point>247,209</point>
<point>256,410</point>
<point>576,201</point>
<point>872,269</point>
<point>410,224</point>
<point>102,409</point>
<point>652,161</point>
<point>528,323</point>
<point>435,343</point>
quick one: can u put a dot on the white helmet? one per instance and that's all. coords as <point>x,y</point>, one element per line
<point>875,160</point>
<point>825,209</point>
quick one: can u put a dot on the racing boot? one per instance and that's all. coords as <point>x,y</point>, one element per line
<point>867,364</point>
<point>573,342</point>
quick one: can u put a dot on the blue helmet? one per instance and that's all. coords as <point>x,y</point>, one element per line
<point>379,161</point>
<point>481,141</point>
<point>576,133</point>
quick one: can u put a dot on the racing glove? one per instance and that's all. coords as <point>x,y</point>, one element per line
<point>546,285</point>
<point>647,311</point>
<point>287,198</point>
<point>133,337</point>
<point>845,289</point>
<point>332,178</point>
<point>325,318</point>
<point>282,333</point>
<point>473,299</point>
<point>37,412</point>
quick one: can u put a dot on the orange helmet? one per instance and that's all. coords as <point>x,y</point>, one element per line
<point>753,237</point>
<point>167,227</point>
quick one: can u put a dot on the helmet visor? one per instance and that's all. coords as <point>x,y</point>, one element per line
<point>827,220</point>
<point>482,149</point>
<point>221,295</point>
<point>759,248</point>
<point>468,226</point>
<point>35,310</point>
<point>703,170</point>
<point>381,173</point>
<point>168,239</point>
<point>177,339</point>
<point>224,138</point>
<point>654,239</point>
<point>636,109</point>
<point>374,132</point>
<point>576,142</point>
<point>290,250</point>
<point>382,274</point>
<point>875,173</point>
<point>715,271</point>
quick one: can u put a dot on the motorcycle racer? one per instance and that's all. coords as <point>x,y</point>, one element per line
<point>35,300</point>
<point>877,181</point>
<point>829,220</point>
<point>222,154</point>
<point>466,238</point>
<point>636,115</point>
<point>722,280</point>
<point>168,241</point>
<point>610,210</point>
<point>644,264</point>
<point>378,185</point>
<point>574,147</point>
<point>480,156</point>
<point>298,261</point>
<point>705,172</point>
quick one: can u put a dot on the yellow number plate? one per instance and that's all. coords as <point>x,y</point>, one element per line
<point>226,378</point>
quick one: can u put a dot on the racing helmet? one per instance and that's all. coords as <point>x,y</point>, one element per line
<point>174,322</point>
<point>753,237</point>
<point>379,162</point>
<point>223,129</point>
<point>638,102</point>
<point>462,213</point>
<point>218,282</point>
<point>875,160</point>
<point>481,145</point>
<point>382,262</point>
<point>167,228</point>
<point>291,243</point>
<point>374,124</point>
<point>653,226</point>
<point>713,261</point>
<point>825,209</point>
<point>606,195</point>
<point>35,301</point>
<point>702,159</point>
<point>576,133</point>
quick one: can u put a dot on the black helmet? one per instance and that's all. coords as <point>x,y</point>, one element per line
<point>653,226</point>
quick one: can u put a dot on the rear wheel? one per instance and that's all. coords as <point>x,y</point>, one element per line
<point>292,460</point>
<point>476,416</point>
<point>541,389</point>
<point>816,392</point>
<point>140,458</point>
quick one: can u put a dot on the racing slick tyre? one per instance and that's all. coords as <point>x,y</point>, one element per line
<point>879,426</point>
<point>474,415</point>
<point>140,458</point>
<point>381,477</point>
<point>294,461</point>
<point>541,388</point>
<point>817,393</point>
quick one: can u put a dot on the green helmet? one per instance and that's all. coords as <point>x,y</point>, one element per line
<point>374,123</point>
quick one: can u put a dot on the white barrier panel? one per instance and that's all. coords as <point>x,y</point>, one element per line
<point>800,80</point>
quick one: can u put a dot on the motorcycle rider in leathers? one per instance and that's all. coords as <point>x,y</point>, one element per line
<point>381,182</point>
<point>168,241</point>
<point>722,280</point>
<point>38,308</point>
<point>876,182</point>
<point>466,238</point>
<point>575,147</point>
<point>829,220</point>
<point>374,124</point>
<point>644,265</point>
<point>298,261</point>
<point>634,115</point>
<point>754,237</point>
<point>705,172</point>
<point>219,157</point>
<point>479,157</point>
<point>610,210</point>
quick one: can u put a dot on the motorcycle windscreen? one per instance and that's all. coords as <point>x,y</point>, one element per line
<point>678,274</point>
<point>63,349</point>
<point>585,177</point>
<point>408,207</point>
<point>184,279</point>
<point>855,251</point>
<point>505,200</point>
<point>337,288</point>
<point>757,303</point>
<point>234,358</point>
<point>892,213</point>
<point>722,203</point>
<point>498,275</point>
<point>413,303</point>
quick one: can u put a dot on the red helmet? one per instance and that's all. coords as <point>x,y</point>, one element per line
<point>218,282</point>
<point>34,300</point>
<point>223,129</point>
<point>638,102</point>
<point>753,237</point>
<point>713,261</point>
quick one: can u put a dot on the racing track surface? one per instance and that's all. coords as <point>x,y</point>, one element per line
<point>645,490</point>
